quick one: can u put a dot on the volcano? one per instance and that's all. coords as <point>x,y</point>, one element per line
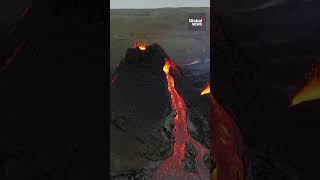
<point>160,123</point>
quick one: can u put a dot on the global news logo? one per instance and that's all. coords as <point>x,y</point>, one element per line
<point>197,21</point>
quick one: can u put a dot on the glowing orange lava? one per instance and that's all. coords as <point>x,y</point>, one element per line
<point>172,168</point>
<point>228,148</point>
<point>310,89</point>
<point>206,89</point>
<point>141,45</point>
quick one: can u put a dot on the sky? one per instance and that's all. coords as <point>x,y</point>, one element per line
<point>151,4</point>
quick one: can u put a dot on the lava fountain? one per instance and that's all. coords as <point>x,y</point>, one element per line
<point>310,89</point>
<point>172,167</point>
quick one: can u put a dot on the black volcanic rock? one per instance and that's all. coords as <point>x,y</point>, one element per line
<point>189,164</point>
<point>210,164</point>
<point>142,118</point>
<point>141,84</point>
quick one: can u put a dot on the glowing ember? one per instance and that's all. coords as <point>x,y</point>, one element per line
<point>172,167</point>
<point>310,89</point>
<point>206,90</point>
<point>141,45</point>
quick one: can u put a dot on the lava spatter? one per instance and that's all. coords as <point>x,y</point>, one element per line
<point>310,89</point>
<point>172,167</point>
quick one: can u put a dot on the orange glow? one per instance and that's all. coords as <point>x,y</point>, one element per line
<point>172,166</point>
<point>167,65</point>
<point>228,151</point>
<point>141,45</point>
<point>206,90</point>
<point>310,89</point>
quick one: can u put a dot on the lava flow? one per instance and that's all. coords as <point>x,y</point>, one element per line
<point>228,151</point>
<point>172,167</point>
<point>310,90</point>
<point>206,89</point>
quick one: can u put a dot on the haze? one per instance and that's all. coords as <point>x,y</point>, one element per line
<point>152,4</point>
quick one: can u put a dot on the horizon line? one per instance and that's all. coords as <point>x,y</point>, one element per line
<point>161,7</point>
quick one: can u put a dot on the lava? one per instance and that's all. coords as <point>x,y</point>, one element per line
<point>206,89</point>
<point>310,89</point>
<point>227,151</point>
<point>227,140</point>
<point>172,167</point>
<point>141,45</point>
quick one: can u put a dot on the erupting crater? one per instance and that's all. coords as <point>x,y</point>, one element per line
<point>140,45</point>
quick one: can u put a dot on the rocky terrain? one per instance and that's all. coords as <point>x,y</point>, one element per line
<point>261,57</point>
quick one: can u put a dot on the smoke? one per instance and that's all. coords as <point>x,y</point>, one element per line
<point>151,4</point>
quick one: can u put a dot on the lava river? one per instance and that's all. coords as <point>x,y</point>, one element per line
<point>172,167</point>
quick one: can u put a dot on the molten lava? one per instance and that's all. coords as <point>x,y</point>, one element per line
<point>310,89</point>
<point>228,148</point>
<point>206,89</point>
<point>172,167</point>
<point>141,45</point>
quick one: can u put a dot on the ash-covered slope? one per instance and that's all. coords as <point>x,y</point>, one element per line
<point>149,99</point>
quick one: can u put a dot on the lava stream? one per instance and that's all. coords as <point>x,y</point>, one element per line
<point>172,167</point>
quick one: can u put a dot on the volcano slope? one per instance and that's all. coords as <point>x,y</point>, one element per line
<point>159,126</point>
